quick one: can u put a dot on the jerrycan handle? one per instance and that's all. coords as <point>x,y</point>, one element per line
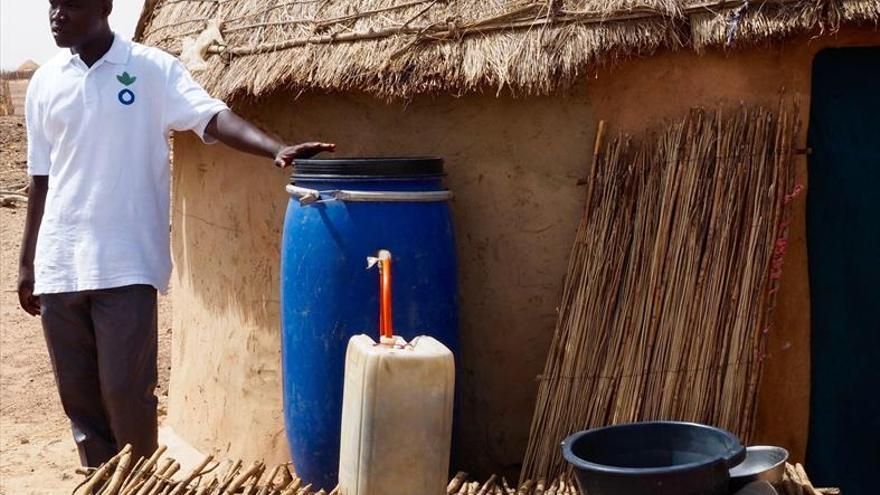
<point>382,260</point>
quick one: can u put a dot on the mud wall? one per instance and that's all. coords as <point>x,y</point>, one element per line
<point>514,167</point>
<point>514,164</point>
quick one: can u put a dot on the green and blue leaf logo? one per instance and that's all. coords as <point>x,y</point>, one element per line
<point>126,96</point>
<point>126,78</point>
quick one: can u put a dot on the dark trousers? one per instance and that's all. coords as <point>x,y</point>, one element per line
<point>103,346</point>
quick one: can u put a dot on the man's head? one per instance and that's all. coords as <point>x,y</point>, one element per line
<point>77,22</point>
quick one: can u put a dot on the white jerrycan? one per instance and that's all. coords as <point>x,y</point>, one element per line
<point>396,411</point>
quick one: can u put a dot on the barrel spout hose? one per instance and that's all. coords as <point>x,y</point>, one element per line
<point>382,260</point>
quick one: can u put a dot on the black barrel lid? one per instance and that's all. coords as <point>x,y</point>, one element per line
<point>368,167</point>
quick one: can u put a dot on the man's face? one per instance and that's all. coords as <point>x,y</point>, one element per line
<point>75,22</point>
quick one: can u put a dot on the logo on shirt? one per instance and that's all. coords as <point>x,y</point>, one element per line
<point>126,96</point>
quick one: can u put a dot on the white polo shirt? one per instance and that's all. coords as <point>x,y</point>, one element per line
<point>101,135</point>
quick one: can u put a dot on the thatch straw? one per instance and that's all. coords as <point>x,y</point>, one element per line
<point>669,290</point>
<point>404,47</point>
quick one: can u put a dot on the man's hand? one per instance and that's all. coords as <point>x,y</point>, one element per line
<point>287,155</point>
<point>29,302</point>
<point>234,131</point>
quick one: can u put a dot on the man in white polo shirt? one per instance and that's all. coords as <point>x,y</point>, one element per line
<point>96,241</point>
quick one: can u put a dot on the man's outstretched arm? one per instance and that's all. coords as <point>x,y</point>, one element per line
<point>234,131</point>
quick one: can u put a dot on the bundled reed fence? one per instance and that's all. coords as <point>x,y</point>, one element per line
<point>671,280</point>
<point>6,106</point>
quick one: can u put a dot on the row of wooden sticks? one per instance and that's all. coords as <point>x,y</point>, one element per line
<point>160,476</point>
<point>156,476</point>
<point>495,486</point>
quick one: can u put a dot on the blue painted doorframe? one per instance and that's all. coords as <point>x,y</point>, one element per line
<point>843,241</point>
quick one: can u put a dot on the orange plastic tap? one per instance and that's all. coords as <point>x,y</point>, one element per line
<point>383,261</point>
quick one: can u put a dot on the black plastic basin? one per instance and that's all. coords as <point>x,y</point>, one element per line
<point>653,458</point>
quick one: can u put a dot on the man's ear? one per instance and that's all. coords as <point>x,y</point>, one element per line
<point>108,7</point>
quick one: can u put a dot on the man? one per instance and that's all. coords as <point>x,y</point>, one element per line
<point>96,241</point>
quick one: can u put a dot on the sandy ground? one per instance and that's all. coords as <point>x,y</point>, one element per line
<point>37,454</point>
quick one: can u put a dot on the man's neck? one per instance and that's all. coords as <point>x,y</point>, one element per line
<point>92,51</point>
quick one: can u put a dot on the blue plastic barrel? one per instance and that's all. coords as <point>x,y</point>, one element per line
<point>340,212</point>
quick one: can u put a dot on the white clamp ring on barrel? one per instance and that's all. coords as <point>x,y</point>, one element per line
<point>308,196</point>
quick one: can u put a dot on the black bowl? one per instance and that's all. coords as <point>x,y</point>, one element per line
<point>653,458</point>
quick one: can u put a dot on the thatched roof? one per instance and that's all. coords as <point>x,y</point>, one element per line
<point>28,66</point>
<point>406,47</point>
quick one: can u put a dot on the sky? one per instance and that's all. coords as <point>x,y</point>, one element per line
<point>24,29</point>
